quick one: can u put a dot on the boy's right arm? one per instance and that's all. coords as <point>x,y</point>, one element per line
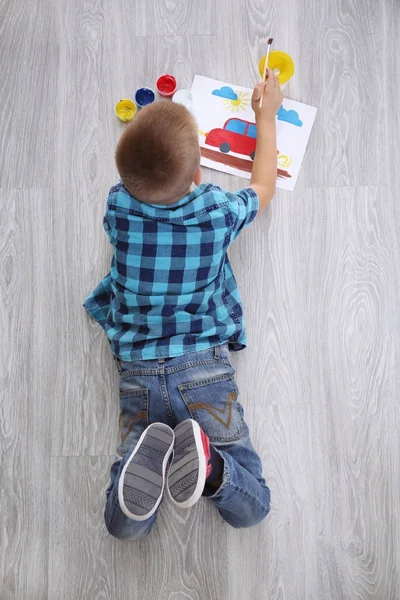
<point>263,175</point>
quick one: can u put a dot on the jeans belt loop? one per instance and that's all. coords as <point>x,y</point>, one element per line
<point>217,352</point>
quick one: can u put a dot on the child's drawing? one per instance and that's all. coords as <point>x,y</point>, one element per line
<point>235,136</point>
<point>225,92</point>
<point>284,161</point>
<point>290,116</point>
<point>232,101</point>
<point>229,145</point>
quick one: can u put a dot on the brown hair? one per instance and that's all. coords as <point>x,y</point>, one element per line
<point>158,153</point>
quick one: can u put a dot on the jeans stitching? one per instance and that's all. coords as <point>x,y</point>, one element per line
<point>169,370</point>
<point>165,396</point>
<point>192,385</point>
<point>194,364</point>
<point>129,393</point>
<point>228,403</point>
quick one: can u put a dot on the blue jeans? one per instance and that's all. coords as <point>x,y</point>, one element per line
<point>200,386</point>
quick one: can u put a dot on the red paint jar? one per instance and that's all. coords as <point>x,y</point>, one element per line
<point>166,85</point>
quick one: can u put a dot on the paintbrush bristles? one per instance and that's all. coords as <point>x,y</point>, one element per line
<point>270,40</point>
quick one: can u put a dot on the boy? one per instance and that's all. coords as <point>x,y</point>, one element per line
<point>171,310</point>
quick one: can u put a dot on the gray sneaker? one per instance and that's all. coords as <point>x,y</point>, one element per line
<point>141,484</point>
<point>189,468</point>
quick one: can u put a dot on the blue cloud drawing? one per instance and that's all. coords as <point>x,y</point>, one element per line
<point>290,116</point>
<point>225,92</point>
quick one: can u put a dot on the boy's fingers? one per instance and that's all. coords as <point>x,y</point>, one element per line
<point>271,76</point>
<point>258,91</point>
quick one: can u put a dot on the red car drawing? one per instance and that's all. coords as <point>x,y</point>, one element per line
<point>236,136</point>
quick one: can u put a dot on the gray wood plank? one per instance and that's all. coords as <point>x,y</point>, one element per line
<point>177,560</point>
<point>391,69</point>
<point>29,63</point>
<point>243,30</point>
<point>86,131</point>
<point>26,384</point>
<point>354,387</point>
<point>391,78</point>
<point>278,558</point>
<point>338,53</point>
<point>181,55</point>
<point>170,18</point>
<point>86,419</point>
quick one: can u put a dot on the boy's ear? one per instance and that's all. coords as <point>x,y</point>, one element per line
<point>198,177</point>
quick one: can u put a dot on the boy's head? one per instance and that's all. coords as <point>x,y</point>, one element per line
<point>158,155</point>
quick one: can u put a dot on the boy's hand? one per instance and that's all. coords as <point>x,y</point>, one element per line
<point>272,97</point>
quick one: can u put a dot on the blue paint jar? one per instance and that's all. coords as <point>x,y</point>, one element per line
<point>144,96</point>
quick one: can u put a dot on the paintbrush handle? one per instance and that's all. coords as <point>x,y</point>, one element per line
<point>265,71</point>
<point>261,99</point>
<point>266,63</point>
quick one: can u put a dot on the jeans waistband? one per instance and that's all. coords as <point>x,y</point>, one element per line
<point>214,353</point>
<point>216,350</point>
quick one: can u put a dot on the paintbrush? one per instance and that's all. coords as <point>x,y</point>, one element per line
<point>266,65</point>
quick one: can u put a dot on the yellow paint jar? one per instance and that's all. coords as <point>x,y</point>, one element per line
<point>281,63</point>
<point>125,110</point>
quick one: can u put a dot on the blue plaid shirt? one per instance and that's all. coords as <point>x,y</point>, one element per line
<point>171,289</point>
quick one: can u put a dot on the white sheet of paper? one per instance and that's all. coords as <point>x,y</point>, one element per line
<point>226,122</point>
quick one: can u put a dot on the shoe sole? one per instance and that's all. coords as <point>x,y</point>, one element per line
<point>192,467</point>
<point>141,488</point>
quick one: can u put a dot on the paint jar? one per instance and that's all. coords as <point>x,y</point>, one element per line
<point>166,85</point>
<point>125,110</point>
<point>281,63</point>
<point>144,96</point>
<point>183,97</point>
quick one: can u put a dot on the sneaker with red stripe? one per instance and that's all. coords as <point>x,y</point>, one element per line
<point>206,447</point>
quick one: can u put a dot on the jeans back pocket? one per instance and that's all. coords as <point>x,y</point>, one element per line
<point>213,404</point>
<point>133,418</point>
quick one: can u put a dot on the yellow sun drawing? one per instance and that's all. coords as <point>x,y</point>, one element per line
<point>284,161</point>
<point>239,104</point>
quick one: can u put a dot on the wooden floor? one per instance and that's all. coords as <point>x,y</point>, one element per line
<point>319,273</point>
